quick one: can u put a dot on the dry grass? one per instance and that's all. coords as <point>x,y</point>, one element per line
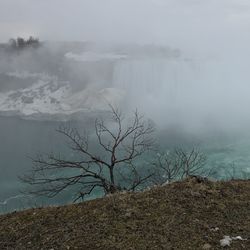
<point>181,215</point>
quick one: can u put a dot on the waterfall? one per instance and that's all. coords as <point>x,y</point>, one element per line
<point>156,86</point>
<point>185,91</point>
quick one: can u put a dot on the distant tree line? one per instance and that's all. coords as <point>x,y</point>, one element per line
<point>21,43</point>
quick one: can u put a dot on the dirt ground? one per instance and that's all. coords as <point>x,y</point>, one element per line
<point>182,215</point>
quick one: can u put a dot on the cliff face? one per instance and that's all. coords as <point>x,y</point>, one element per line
<point>182,215</point>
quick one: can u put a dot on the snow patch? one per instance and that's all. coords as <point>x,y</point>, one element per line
<point>94,56</point>
<point>26,74</point>
<point>227,240</point>
<point>42,97</point>
<point>50,96</point>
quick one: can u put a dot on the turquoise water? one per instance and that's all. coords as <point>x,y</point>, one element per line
<point>227,151</point>
<point>227,155</point>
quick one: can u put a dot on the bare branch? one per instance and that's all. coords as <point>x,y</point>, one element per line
<point>178,165</point>
<point>122,145</point>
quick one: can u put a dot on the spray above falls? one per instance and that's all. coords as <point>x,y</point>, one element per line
<point>158,81</point>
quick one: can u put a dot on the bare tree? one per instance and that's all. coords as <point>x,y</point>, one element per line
<point>13,43</point>
<point>167,168</point>
<point>178,165</point>
<point>33,42</point>
<point>121,145</point>
<point>192,162</point>
<point>21,43</point>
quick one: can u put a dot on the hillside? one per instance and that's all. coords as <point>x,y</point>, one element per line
<point>182,215</point>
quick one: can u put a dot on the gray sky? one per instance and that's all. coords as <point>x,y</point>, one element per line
<point>180,23</point>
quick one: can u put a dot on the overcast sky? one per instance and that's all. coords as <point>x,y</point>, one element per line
<point>178,23</point>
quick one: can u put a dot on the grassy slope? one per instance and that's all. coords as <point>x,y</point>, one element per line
<point>176,216</point>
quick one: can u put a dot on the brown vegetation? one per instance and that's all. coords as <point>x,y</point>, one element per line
<point>192,214</point>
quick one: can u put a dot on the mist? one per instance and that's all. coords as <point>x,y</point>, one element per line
<point>203,26</point>
<point>207,85</point>
<point>184,64</point>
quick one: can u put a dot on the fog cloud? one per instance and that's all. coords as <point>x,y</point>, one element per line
<point>187,24</point>
<point>213,34</point>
